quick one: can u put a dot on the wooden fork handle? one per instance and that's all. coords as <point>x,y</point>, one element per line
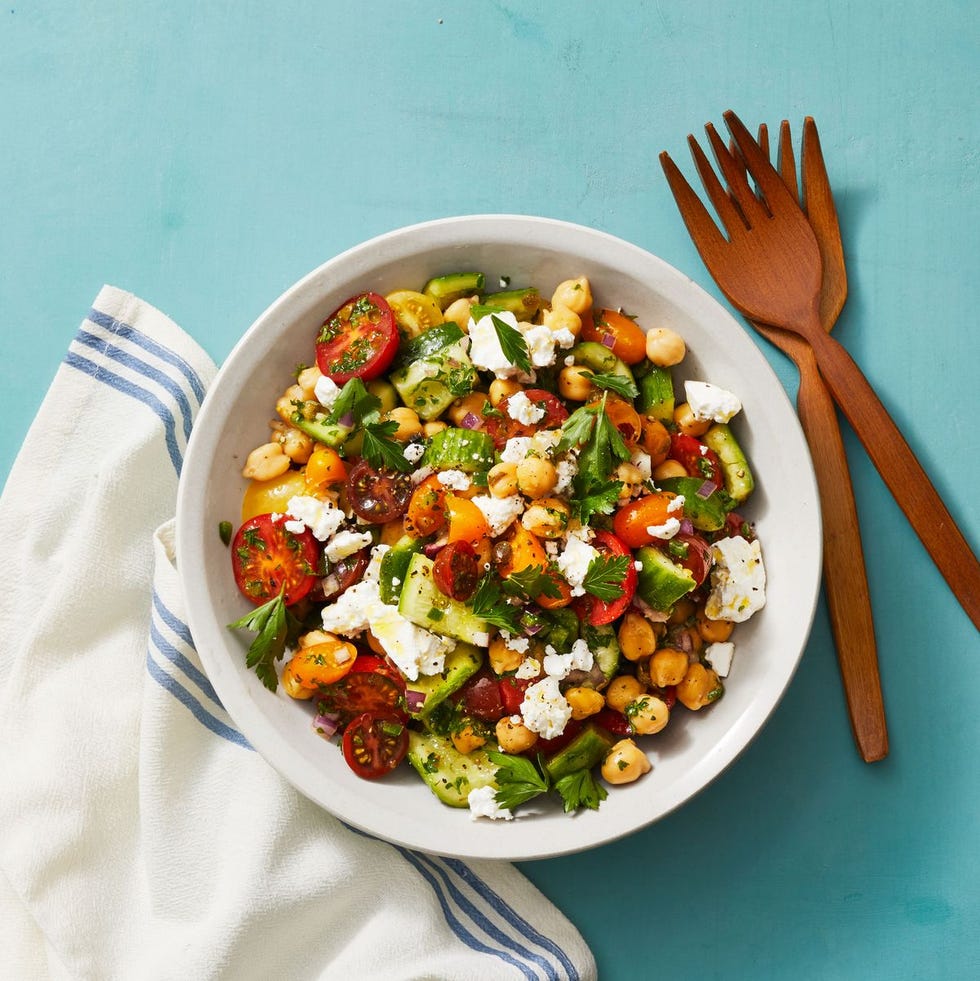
<point>901,471</point>
<point>845,580</point>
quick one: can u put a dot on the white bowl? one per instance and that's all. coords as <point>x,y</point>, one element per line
<point>695,747</point>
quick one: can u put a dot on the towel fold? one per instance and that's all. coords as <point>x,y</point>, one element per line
<point>141,836</point>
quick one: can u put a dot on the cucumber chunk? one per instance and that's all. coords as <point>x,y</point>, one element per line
<point>427,606</point>
<point>450,774</point>
<point>600,359</point>
<point>582,753</point>
<point>739,481</point>
<point>523,303</point>
<point>656,396</point>
<point>447,289</point>
<point>429,385</point>
<point>429,342</point>
<point>604,645</point>
<point>661,582</point>
<point>468,450</point>
<point>705,513</point>
<point>461,664</point>
<point>394,567</point>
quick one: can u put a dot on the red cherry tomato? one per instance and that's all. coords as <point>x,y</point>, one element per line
<point>374,744</point>
<point>267,559</point>
<point>736,527</point>
<point>480,697</point>
<point>359,340</point>
<point>547,747</point>
<point>598,611</point>
<point>695,457</point>
<point>456,570</point>
<point>502,427</point>
<point>693,553</point>
<point>350,570</point>
<point>512,693</point>
<point>613,722</point>
<point>378,496</point>
<point>371,686</point>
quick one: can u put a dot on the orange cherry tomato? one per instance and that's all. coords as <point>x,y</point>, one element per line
<point>324,468</point>
<point>426,514</point>
<point>625,418</point>
<point>525,550</point>
<point>321,664</point>
<point>629,342</point>
<point>555,602</point>
<point>632,520</point>
<point>466,521</point>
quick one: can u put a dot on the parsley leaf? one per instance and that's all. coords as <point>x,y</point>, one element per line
<point>380,450</point>
<point>577,428</point>
<point>518,779</point>
<point>599,457</point>
<point>274,625</point>
<point>356,401</point>
<point>579,789</point>
<point>615,383</point>
<point>600,501</point>
<point>489,604</point>
<point>512,344</point>
<point>604,576</point>
<point>530,583</point>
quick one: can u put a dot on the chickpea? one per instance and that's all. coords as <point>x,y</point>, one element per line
<point>408,423</point>
<point>576,294</point>
<point>655,440</point>
<point>474,404</point>
<point>682,611</point>
<point>295,444</point>
<point>307,380</point>
<point>665,347</point>
<point>713,631</point>
<point>468,739</point>
<point>536,477</point>
<point>574,383</point>
<point>631,477</point>
<point>266,462</point>
<point>459,312</point>
<point>502,388</point>
<point>688,423</point>
<point>700,687</point>
<point>502,658</point>
<point>624,763</point>
<point>547,518</point>
<point>502,480</point>
<point>513,736</point>
<point>669,468</point>
<point>431,428</point>
<point>648,715</point>
<point>668,667</point>
<point>584,702</point>
<point>636,636</point>
<point>561,318</point>
<point>623,690</point>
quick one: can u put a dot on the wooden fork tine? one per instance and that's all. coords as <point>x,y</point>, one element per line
<point>731,216</point>
<point>786,159</point>
<point>733,170</point>
<point>757,163</point>
<point>700,225</point>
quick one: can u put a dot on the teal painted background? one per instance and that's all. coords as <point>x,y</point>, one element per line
<point>205,156</point>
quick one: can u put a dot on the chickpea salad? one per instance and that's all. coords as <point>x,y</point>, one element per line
<point>488,535</point>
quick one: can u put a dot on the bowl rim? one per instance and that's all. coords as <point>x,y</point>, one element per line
<point>489,839</point>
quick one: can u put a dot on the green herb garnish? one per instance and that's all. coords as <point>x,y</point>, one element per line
<point>224,532</point>
<point>580,789</point>
<point>605,575</point>
<point>615,383</point>
<point>274,625</point>
<point>380,450</point>
<point>512,344</point>
<point>518,780</point>
<point>488,603</point>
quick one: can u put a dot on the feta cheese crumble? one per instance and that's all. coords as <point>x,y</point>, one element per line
<point>530,667</point>
<point>500,512</point>
<point>321,517</point>
<point>485,351</point>
<point>666,531</point>
<point>414,452</point>
<point>719,655</point>
<point>574,561</point>
<point>708,401</point>
<point>545,709</point>
<point>482,804</point>
<point>454,479</point>
<point>560,666</point>
<point>738,580</point>
<point>326,391</point>
<point>516,449</point>
<point>346,543</point>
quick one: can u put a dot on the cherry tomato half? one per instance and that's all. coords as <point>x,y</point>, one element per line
<point>695,457</point>
<point>692,552</point>
<point>374,744</point>
<point>378,496</point>
<point>628,342</point>
<point>481,697</point>
<point>267,559</point>
<point>370,686</point>
<point>359,340</point>
<point>632,520</point>
<point>348,571</point>
<point>502,427</point>
<point>595,610</point>
<point>456,570</point>
<point>512,693</point>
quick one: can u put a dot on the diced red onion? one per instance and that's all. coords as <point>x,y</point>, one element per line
<point>530,629</point>
<point>706,489</point>
<point>654,616</point>
<point>432,549</point>
<point>326,725</point>
<point>414,699</point>
<point>686,527</point>
<point>470,421</point>
<point>608,340</point>
<point>684,642</point>
<point>346,420</point>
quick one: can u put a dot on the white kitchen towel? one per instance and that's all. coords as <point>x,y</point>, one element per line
<point>141,836</point>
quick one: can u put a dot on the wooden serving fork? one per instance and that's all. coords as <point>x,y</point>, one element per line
<point>769,267</point>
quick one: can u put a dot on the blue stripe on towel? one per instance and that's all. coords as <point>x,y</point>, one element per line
<point>151,346</point>
<point>136,364</point>
<point>200,713</point>
<point>181,661</point>
<point>173,622</point>
<point>102,374</point>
